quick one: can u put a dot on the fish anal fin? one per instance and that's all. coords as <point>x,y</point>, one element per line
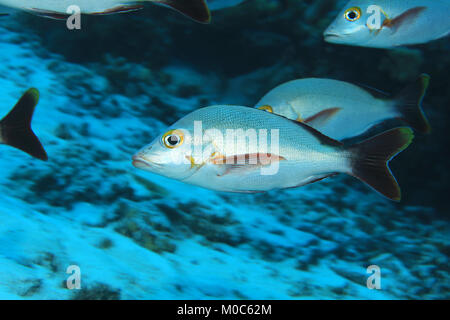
<point>376,93</point>
<point>247,191</point>
<point>15,127</point>
<point>406,17</point>
<point>322,117</point>
<point>314,180</point>
<point>197,10</point>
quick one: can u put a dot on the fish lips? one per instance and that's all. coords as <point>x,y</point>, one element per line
<point>331,36</point>
<point>140,163</point>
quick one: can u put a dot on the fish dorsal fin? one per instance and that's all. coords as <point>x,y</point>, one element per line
<point>406,17</point>
<point>319,135</point>
<point>322,117</point>
<point>197,10</point>
<point>376,93</point>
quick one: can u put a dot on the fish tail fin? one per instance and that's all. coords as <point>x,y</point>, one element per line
<point>370,160</point>
<point>197,10</point>
<point>15,128</point>
<point>409,104</point>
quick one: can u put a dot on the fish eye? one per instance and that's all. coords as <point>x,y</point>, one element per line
<point>266,108</point>
<point>173,139</point>
<point>353,14</point>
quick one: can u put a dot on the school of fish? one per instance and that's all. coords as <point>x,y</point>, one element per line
<point>293,135</point>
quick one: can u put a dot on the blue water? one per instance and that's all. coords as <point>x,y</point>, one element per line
<point>111,87</point>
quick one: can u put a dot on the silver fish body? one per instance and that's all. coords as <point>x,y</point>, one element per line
<point>342,110</point>
<point>294,154</point>
<point>390,23</point>
<point>58,9</point>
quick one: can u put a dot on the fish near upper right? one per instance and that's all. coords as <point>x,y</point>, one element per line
<point>390,23</point>
<point>15,127</point>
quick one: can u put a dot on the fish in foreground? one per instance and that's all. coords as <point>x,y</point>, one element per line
<point>302,155</point>
<point>57,9</point>
<point>342,110</point>
<point>15,127</point>
<point>390,23</point>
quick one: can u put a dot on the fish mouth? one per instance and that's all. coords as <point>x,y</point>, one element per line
<point>331,36</point>
<point>143,164</point>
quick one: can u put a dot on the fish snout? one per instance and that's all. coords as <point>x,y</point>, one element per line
<point>331,33</point>
<point>139,162</point>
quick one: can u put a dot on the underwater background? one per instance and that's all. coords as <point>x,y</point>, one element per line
<point>111,87</point>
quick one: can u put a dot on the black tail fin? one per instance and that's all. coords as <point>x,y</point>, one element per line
<point>409,104</point>
<point>370,160</point>
<point>195,9</point>
<point>15,128</point>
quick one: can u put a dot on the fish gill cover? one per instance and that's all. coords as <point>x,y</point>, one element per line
<point>110,88</point>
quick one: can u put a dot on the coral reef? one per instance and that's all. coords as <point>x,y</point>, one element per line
<point>113,86</point>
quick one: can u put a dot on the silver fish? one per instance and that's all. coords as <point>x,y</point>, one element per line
<point>226,148</point>
<point>390,23</point>
<point>15,128</point>
<point>342,110</point>
<point>57,9</point>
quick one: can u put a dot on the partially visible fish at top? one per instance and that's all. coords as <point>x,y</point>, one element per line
<point>390,23</point>
<point>226,148</point>
<point>197,10</point>
<point>342,110</point>
<point>15,127</point>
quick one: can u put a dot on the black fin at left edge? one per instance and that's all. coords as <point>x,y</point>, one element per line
<point>15,128</point>
<point>197,10</point>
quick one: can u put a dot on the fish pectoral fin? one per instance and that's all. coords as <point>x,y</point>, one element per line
<point>225,169</point>
<point>406,17</point>
<point>321,118</point>
<point>244,163</point>
<point>197,10</point>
